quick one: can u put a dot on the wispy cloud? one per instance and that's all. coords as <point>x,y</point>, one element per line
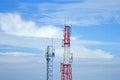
<point>18,54</point>
<point>84,13</point>
<point>84,52</point>
<point>9,48</point>
<point>20,57</point>
<point>78,48</point>
<point>93,42</point>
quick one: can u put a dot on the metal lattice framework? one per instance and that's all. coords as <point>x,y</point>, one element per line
<point>66,71</point>
<point>49,57</point>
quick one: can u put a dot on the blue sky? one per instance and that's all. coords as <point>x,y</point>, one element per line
<point>27,26</point>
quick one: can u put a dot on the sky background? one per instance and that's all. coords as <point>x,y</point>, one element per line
<point>27,26</point>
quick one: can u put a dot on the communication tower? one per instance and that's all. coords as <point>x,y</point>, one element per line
<point>50,53</point>
<point>66,67</point>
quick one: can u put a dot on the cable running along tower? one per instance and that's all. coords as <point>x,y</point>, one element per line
<point>66,67</point>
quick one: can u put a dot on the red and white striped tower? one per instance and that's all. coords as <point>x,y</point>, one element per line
<point>66,67</point>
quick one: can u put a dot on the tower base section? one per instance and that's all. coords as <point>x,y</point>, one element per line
<point>66,72</point>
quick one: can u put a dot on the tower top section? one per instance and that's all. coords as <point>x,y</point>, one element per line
<point>67,34</point>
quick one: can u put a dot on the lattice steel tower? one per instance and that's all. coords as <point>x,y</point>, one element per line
<point>66,67</point>
<point>49,57</point>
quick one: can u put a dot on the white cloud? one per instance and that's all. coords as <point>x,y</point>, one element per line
<point>17,54</point>
<point>84,52</point>
<point>91,42</point>
<point>12,23</point>
<point>20,57</point>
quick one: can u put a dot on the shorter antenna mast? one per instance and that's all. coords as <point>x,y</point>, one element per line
<point>50,53</point>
